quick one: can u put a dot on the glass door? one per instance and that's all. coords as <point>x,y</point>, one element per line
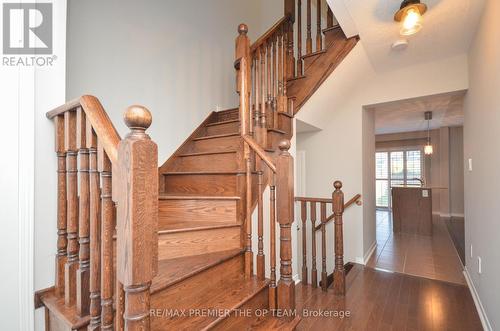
<point>396,168</point>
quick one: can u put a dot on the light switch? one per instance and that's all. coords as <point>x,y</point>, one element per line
<point>425,193</point>
<point>470,164</point>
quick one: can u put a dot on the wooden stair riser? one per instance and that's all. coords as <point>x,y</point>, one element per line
<point>274,138</point>
<point>188,243</point>
<point>217,185</point>
<point>216,144</point>
<point>222,128</point>
<point>227,115</point>
<point>285,123</point>
<point>332,35</point>
<point>309,59</point>
<point>319,71</point>
<point>209,162</point>
<point>54,323</point>
<point>174,213</point>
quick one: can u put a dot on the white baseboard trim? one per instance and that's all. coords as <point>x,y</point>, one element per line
<point>477,301</point>
<point>370,252</point>
<point>296,279</point>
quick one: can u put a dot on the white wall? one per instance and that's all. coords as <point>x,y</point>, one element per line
<point>174,57</point>
<point>27,239</point>
<point>368,193</point>
<point>481,137</point>
<point>49,92</point>
<point>457,171</point>
<point>336,152</point>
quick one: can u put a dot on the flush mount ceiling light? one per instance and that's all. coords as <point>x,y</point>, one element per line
<point>410,13</point>
<point>428,150</point>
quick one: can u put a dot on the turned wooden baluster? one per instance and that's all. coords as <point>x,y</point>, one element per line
<point>324,275</point>
<point>72,207</point>
<point>95,231</point>
<point>299,38</point>
<point>269,102</point>
<point>83,272</point>
<point>257,94</point>
<point>283,100</point>
<point>290,12</point>
<point>285,206</point>
<point>286,55</point>
<point>314,271</point>
<point>275,81</point>
<point>329,17</point>
<point>107,229</point>
<point>280,63</point>
<point>303,217</point>
<point>319,39</point>
<point>338,209</point>
<point>62,240</point>
<point>137,217</point>
<point>248,213</point>
<point>309,35</point>
<point>260,229</point>
<point>263,131</point>
<point>272,239</point>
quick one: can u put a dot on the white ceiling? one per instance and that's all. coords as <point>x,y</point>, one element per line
<point>448,27</point>
<point>408,115</point>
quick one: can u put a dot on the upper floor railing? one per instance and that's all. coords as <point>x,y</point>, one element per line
<point>338,207</point>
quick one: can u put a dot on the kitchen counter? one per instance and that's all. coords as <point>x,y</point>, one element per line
<point>412,209</point>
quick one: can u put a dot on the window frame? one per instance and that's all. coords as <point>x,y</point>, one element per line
<point>405,179</point>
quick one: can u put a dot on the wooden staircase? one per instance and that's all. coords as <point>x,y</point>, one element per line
<point>141,249</point>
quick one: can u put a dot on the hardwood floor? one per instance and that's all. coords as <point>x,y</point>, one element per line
<point>380,300</point>
<point>432,257</point>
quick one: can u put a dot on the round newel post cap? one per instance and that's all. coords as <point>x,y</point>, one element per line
<point>337,184</point>
<point>284,145</point>
<point>242,28</point>
<point>137,117</point>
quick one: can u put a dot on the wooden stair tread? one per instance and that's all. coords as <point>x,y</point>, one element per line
<point>226,295</point>
<point>277,131</point>
<point>215,136</point>
<point>181,173</point>
<point>222,122</point>
<point>173,271</point>
<point>267,322</point>
<point>335,27</point>
<point>323,51</point>
<point>186,226</point>
<point>164,196</point>
<point>227,110</point>
<point>207,153</point>
<point>67,314</point>
<point>286,114</point>
<point>296,78</point>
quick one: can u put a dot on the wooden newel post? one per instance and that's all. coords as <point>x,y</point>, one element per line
<point>338,210</point>
<point>243,77</point>
<point>285,210</point>
<point>137,217</point>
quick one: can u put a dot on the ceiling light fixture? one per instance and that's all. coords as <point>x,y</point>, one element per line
<point>428,150</point>
<point>410,13</point>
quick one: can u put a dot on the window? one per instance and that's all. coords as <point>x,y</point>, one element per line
<point>396,168</point>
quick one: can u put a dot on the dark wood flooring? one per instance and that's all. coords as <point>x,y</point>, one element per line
<point>380,300</point>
